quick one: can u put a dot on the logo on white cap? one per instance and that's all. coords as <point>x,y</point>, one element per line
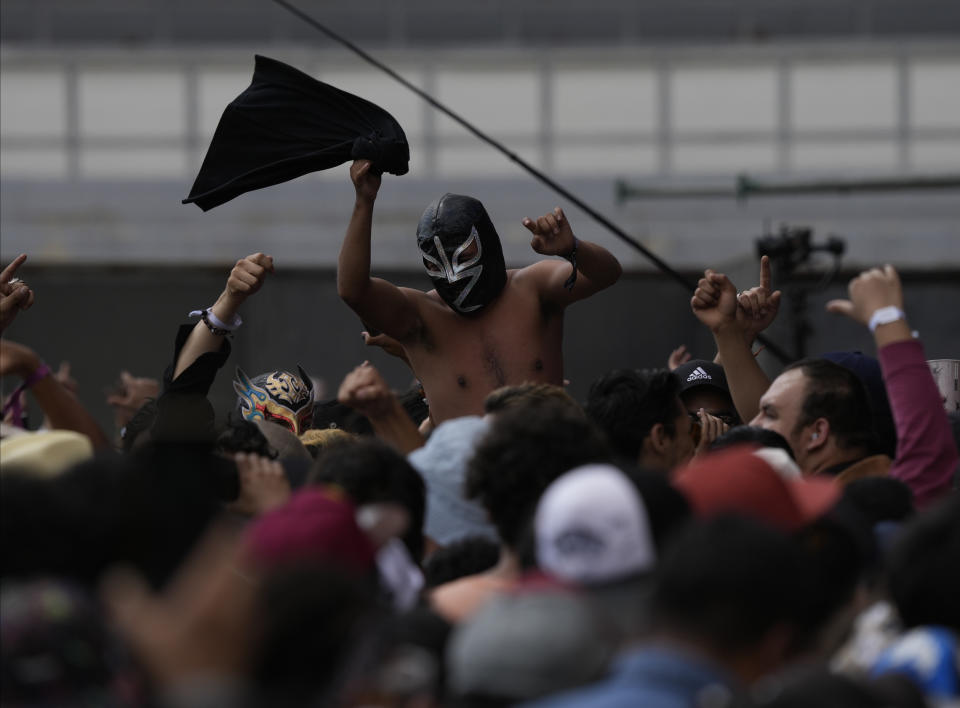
<point>699,373</point>
<point>591,526</point>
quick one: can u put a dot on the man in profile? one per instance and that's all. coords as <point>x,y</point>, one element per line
<point>483,326</point>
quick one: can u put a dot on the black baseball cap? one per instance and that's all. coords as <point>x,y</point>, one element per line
<point>700,372</point>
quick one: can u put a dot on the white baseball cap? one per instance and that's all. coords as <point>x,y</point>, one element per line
<point>591,527</point>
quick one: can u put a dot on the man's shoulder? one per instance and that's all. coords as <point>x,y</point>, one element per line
<point>872,466</point>
<point>540,269</point>
<point>415,294</point>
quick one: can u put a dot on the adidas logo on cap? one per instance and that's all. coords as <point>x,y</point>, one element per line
<point>699,373</point>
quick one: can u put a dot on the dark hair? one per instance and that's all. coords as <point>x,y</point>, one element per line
<point>371,471</point>
<point>527,394</point>
<point>625,404</point>
<point>838,551</point>
<point>521,454</point>
<point>333,414</point>
<point>312,622</point>
<point>751,434</point>
<point>468,556</point>
<point>414,404</point>
<point>241,435</point>
<point>728,581</point>
<point>146,509</point>
<point>821,687</point>
<point>880,498</point>
<point>667,508</point>
<point>835,393</point>
<point>923,578</point>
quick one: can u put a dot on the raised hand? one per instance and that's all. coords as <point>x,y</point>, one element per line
<point>65,378</point>
<point>552,235</point>
<point>201,625</point>
<point>714,302</point>
<point>390,345</point>
<point>247,277</point>
<point>711,428</point>
<point>678,356</point>
<point>129,395</point>
<point>366,391</point>
<point>758,305</point>
<point>365,181</point>
<point>15,295</point>
<point>263,484</point>
<point>869,291</point>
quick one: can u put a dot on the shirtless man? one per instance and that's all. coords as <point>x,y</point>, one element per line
<point>483,326</point>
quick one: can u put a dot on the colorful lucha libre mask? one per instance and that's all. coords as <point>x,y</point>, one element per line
<point>461,252</point>
<point>278,397</point>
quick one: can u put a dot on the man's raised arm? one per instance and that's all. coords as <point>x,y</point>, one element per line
<point>380,304</point>
<point>593,268</point>
<point>926,455</point>
<point>715,304</point>
<point>245,279</point>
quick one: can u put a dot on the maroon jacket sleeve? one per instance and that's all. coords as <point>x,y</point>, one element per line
<point>926,454</point>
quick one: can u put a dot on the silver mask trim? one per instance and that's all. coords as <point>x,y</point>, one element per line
<point>458,271</point>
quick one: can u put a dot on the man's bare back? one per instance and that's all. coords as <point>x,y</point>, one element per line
<point>483,326</point>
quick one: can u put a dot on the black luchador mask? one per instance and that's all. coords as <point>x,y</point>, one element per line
<point>461,252</point>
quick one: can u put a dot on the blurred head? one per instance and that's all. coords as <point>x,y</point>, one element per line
<point>146,510</point>
<point>319,440</point>
<point>922,576</point>
<point>57,648</point>
<point>519,458</point>
<point>867,370</point>
<point>642,416</point>
<point>527,394</point>
<point>370,471</point>
<point>591,527</point>
<point>312,620</point>
<point>754,436</point>
<point>241,435</point>
<point>730,585</point>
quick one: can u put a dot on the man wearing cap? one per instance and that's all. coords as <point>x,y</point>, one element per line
<point>823,409</point>
<point>706,396</point>
<point>483,326</point>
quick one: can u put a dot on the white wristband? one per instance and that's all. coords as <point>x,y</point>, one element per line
<point>216,321</point>
<point>885,315</point>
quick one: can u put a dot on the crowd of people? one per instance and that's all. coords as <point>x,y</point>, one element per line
<point>692,536</point>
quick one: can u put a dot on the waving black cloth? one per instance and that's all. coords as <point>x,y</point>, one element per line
<point>287,124</point>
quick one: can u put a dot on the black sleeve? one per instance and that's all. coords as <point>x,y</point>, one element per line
<point>198,377</point>
<point>183,412</point>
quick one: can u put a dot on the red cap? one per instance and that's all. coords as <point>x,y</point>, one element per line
<point>317,524</point>
<point>737,481</point>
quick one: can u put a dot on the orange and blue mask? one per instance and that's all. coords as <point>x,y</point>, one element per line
<point>277,397</point>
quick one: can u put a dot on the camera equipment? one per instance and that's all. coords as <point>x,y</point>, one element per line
<point>793,246</point>
<point>788,250</point>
